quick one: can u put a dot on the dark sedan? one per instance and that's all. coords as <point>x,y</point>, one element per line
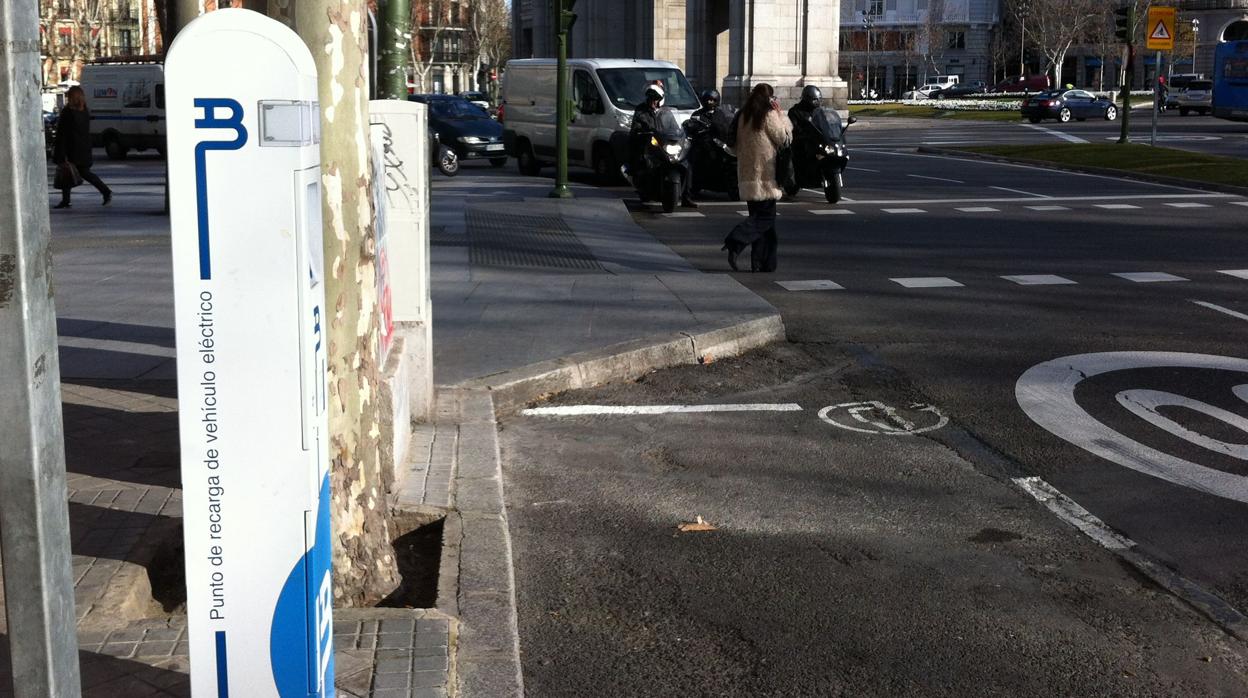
<point>1070,104</point>
<point>465,128</point>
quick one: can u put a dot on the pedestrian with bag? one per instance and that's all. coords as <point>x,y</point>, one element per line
<point>72,154</point>
<point>762,132</point>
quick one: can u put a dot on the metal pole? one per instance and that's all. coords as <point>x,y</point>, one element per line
<point>561,190</point>
<point>1022,47</point>
<point>1156,97</point>
<point>34,510</point>
<point>1125,91</point>
<point>394,39</point>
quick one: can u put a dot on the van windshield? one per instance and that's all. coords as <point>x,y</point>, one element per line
<point>626,87</point>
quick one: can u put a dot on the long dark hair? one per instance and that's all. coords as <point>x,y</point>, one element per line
<point>754,111</point>
<point>75,98</point>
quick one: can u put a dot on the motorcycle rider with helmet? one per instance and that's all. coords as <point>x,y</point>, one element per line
<point>645,126</point>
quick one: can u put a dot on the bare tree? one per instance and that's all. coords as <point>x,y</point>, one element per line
<point>1057,25</point>
<point>430,21</point>
<point>491,34</point>
<point>934,39</point>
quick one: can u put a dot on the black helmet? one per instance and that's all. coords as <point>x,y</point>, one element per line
<point>654,92</point>
<point>710,98</point>
<point>811,96</point>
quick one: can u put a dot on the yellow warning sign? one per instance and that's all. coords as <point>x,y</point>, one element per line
<point>1160,28</point>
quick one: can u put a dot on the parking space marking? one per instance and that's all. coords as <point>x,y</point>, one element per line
<point>1220,309</point>
<point>1148,277</point>
<point>683,214</point>
<point>903,210</point>
<point>812,285</point>
<point>1048,208</point>
<point>1237,273</point>
<point>1116,207</point>
<point>831,212</point>
<point>582,410</point>
<point>1039,280</point>
<point>927,282</point>
<point>978,209</point>
<point>1187,204</point>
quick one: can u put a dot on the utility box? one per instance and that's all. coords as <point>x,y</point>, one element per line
<point>248,262</point>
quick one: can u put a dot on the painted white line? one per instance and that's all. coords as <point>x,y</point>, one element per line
<point>1220,309</point>
<point>861,169</point>
<point>812,285</point>
<point>831,212</point>
<point>926,282</point>
<point>1148,277</point>
<point>1237,273</point>
<point>578,410</point>
<point>978,209</point>
<point>903,210</point>
<point>683,214</point>
<point>1187,204</point>
<point>1116,207</point>
<point>785,203</point>
<point>1039,280</point>
<point>1046,200</point>
<point>743,213</point>
<point>1019,191</point>
<point>937,179</point>
<point>1068,510</point>
<point>1064,136</point>
<point>1239,203</point>
<point>1048,208</point>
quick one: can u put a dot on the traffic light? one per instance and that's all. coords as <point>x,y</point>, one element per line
<point>1124,23</point>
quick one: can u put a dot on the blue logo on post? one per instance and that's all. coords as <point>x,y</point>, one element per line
<point>234,123</point>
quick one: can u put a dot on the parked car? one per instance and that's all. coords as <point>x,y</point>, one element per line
<point>480,99</point>
<point>465,128</point>
<point>1066,105</point>
<point>924,92</point>
<point>604,93</point>
<point>1196,97</point>
<point>964,89</point>
<point>1023,83</point>
<point>127,103</point>
<point>1175,85</point>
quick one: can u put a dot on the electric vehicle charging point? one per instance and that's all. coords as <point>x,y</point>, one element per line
<point>248,261</point>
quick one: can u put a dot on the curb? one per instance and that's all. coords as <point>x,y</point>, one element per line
<point>626,361</point>
<point>1086,169</point>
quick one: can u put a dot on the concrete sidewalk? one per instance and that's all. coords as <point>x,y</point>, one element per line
<point>524,287</point>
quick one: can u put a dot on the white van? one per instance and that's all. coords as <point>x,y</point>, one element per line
<point>604,91</point>
<point>127,103</point>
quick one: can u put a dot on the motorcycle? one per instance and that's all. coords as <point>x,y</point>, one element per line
<point>665,160</point>
<point>444,158</point>
<point>819,153</point>
<point>714,161</point>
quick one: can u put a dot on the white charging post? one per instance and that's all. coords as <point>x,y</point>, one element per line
<point>248,266</point>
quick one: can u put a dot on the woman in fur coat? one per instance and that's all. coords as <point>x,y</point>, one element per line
<point>762,129</point>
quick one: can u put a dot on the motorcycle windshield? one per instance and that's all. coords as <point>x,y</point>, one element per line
<point>667,126</point>
<point>828,123</point>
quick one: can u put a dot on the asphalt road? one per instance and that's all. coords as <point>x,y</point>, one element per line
<point>1083,330</point>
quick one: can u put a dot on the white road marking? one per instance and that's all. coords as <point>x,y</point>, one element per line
<point>903,210</point>
<point>937,179</point>
<point>1046,393</point>
<point>1047,199</point>
<point>926,282</point>
<point>1239,203</point>
<point>1220,309</point>
<point>1068,510</point>
<point>812,285</point>
<point>578,410</point>
<point>1116,207</point>
<point>743,213</point>
<point>831,211</point>
<point>1048,208</point>
<point>1187,204</point>
<point>978,209</point>
<point>1148,277</point>
<point>861,169</point>
<point>1238,273</point>
<point>684,214</point>
<point>875,417</point>
<point>1064,136</point>
<point>1019,191</point>
<point>1147,404</point>
<point>1039,280</point>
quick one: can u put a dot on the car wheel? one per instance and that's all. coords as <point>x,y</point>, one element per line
<point>498,162</point>
<point>1111,113</point>
<point>1184,111</point>
<point>605,169</point>
<point>114,149</point>
<point>1034,119</point>
<point>526,161</point>
<point>1064,115</point>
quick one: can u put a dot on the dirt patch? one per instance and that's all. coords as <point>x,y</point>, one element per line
<point>418,553</point>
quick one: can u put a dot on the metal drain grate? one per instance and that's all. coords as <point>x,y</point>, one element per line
<point>509,240</point>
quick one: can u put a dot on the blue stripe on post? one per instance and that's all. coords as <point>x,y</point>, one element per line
<point>223,672</point>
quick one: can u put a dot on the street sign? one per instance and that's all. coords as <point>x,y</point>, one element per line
<point>244,180</point>
<point>1160,28</point>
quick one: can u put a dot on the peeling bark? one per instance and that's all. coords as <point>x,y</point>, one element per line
<point>364,569</point>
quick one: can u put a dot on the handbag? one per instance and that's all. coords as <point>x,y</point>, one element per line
<point>786,177</point>
<point>67,176</point>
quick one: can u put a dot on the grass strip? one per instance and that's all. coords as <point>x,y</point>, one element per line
<point>1130,158</point>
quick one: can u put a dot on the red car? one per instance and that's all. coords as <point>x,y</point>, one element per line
<point>1034,83</point>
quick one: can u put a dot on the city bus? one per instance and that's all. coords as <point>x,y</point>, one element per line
<point>1230,81</point>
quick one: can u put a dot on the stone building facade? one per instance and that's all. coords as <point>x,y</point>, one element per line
<point>1220,20</point>
<point>731,45</point>
<point>73,32</point>
<point>890,46</point>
